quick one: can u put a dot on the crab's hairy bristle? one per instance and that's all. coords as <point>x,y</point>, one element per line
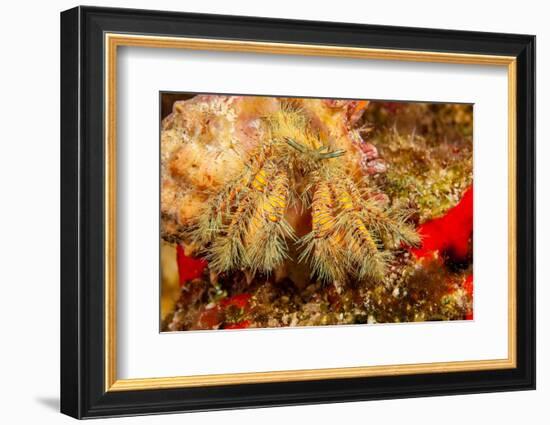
<point>268,230</point>
<point>322,247</point>
<point>243,226</point>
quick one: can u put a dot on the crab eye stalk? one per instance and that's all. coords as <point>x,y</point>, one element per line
<point>321,153</point>
<point>332,154</point>
<point>298,146</point>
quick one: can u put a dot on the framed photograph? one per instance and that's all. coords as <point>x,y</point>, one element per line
<point>261,212</point>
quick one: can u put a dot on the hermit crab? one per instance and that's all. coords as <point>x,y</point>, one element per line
<point>256,184</point>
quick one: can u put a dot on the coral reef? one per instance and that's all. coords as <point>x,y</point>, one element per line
<point>299,212</point>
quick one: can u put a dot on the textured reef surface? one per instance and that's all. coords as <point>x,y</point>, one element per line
<point>302,212</point>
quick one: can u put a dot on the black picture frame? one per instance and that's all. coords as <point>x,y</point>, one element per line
<point>83,392</point>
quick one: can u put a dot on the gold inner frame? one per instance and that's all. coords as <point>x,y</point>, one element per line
<point>113,41</point>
